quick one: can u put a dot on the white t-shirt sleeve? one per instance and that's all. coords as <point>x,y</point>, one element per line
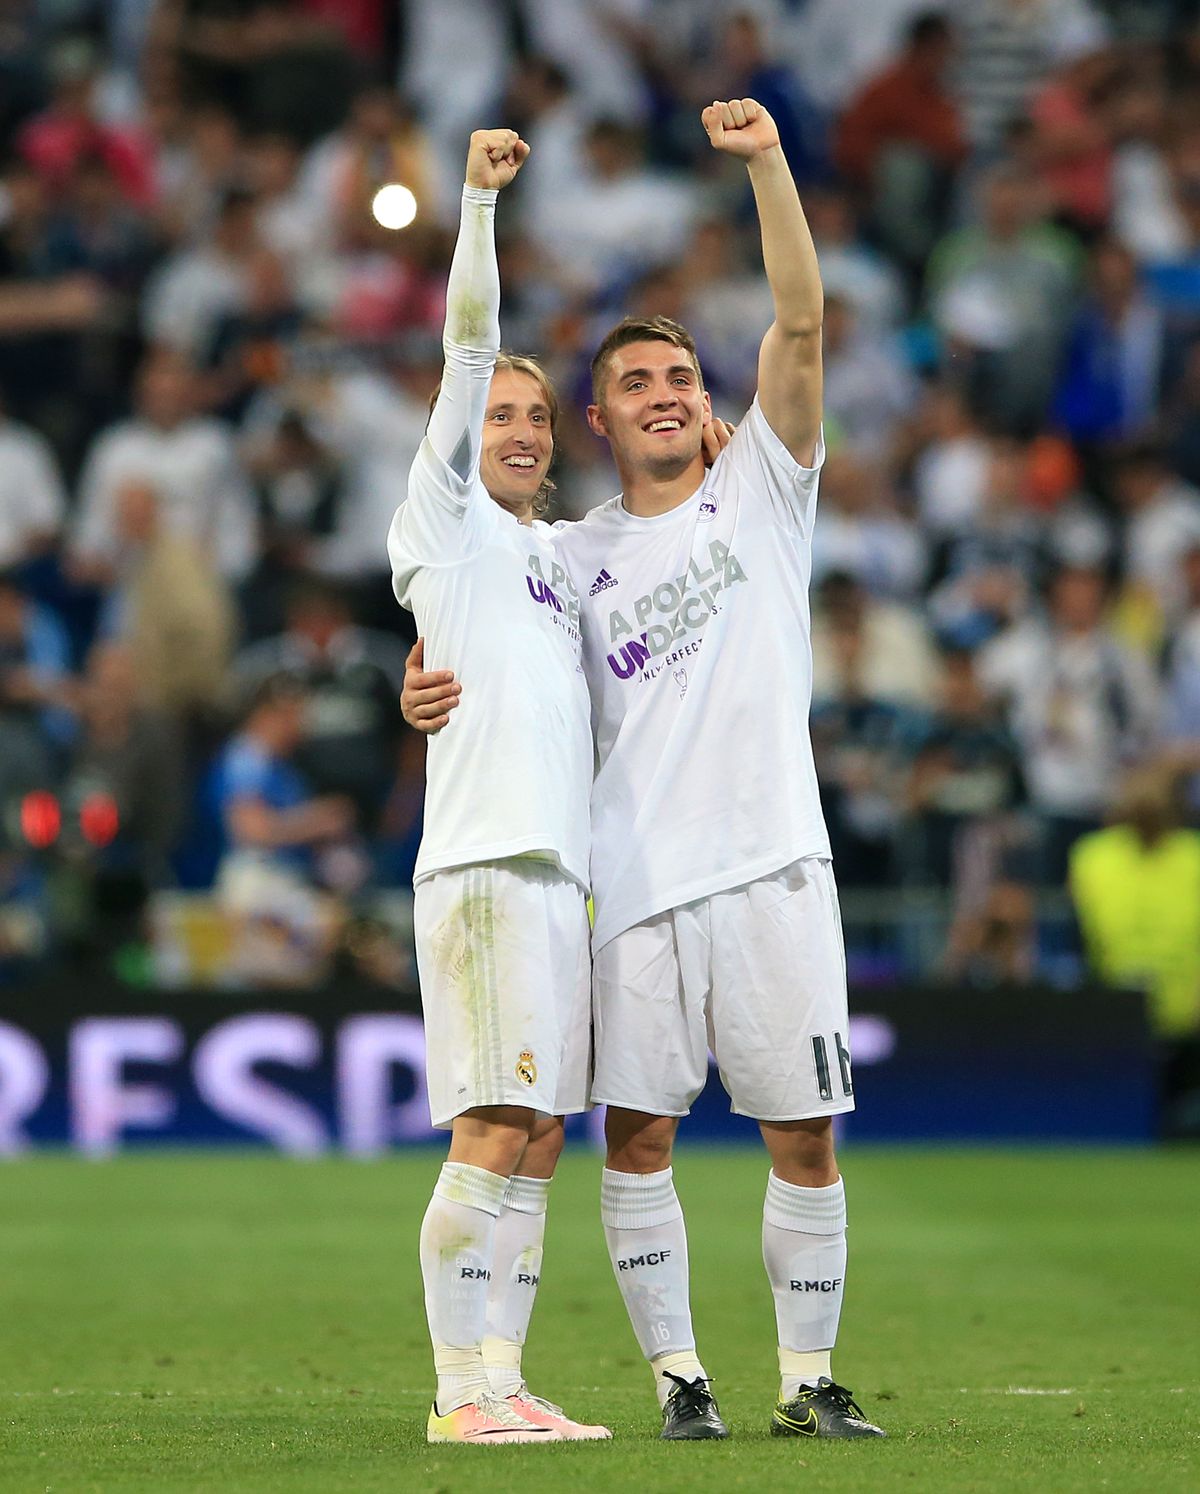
<point>434,525</point>
<point>440,521</point>
<point>768,468</point>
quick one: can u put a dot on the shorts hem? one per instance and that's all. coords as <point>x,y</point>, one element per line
<point>807,1115</point>
<point>445,1122</point>
<point>642,1109</point>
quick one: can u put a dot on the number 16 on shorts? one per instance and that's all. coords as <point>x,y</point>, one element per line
<point>821,1061</point>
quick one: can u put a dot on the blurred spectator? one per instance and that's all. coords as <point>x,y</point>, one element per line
<point>618,218</point>
<point>56,140</point>
<point>951,462</point>
<point>366,420</point>
<point>389,285</point>
<point>595,42</point>
<point>996,943</point>
<point>1162,520</point>
<point>470,43</point>
<point>850,269</point>
<point>190,461</point>
<point>1183,682</point>
<point>35,724</point>
<point>48,301</point>
<point>199,284</point>
<point>281,69</point>
<point>741,67</point>
<point>961,772</point>
<point>727,307</point>
<point>286,218</point>
<point>115,240</point>
<point>251,343</point>
<point>983,572</point>
<point>1145,217</point>
<point>198,160</point>
<point>32,500</point>
<point>124,784</point>
<point>869,387</point>
<point>860,530</point>
<point>170,609</point>
<point>1079,705</point>
<point>275,827</point>
<point>836,49</point>
<point>1109,383</point>
<point>854,738</point>
<point>1071,143</point>
<point>1173,277</point>
<point>350,680</point>
<point>999,292</point>
<point>379,142</point>
<point>301,488</point>
<point>1136,888</point>
<point>554,122</point>
<point>888,643</point>
<point>1181,418</point>
<point>26,914</point>
<point>1007,49</point>
<point>901,139</point>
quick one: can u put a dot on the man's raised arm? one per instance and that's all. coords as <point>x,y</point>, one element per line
<point>789,362</point>
<point>471,338</point>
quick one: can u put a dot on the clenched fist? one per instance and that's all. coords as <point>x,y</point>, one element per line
<point>494,158</point>
<point>741,127</point>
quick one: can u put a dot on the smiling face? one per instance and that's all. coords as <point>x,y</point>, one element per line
<point>518,443</point>
<point>652,408</point>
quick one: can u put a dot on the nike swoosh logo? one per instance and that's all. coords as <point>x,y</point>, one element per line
<point>806,1428</point>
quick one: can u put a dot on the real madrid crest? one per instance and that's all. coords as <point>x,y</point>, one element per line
<point>526,1068</point>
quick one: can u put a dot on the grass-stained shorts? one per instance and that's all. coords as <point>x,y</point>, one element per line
<point>502,951</point>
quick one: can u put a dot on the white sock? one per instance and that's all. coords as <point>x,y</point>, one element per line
<point>647,1243</point>
<point>458,1237</point>
<point>516,1267</point>
<point>804,1250</point>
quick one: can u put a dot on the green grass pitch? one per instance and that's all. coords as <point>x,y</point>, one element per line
<point>1017,1320</point>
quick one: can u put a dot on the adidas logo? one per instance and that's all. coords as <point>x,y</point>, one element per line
<point>602,582</point>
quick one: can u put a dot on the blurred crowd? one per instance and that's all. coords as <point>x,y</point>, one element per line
<point>215,365</point>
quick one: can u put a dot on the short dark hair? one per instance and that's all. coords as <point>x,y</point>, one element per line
<point>641,329</point>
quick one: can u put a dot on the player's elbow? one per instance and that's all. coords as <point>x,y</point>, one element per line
<point>802,326</point>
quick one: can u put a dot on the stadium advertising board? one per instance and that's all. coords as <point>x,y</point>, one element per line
<point>307,1073</point>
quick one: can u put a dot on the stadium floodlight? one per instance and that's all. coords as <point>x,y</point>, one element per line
<point>394,206</point>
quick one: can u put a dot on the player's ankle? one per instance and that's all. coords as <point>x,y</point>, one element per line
<point>683,1363</point>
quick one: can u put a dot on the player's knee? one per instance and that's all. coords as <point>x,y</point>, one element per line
<point>639,1143</point>
<point>802,1151</point>
<point>493,1137</point>
<point>546,1141</point>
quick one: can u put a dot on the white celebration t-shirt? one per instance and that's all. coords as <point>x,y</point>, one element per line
<point>698,656</point>
<point>509,775</point>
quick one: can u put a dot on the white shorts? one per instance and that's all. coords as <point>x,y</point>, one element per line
<point>502,951</point>
<point>756,973</point>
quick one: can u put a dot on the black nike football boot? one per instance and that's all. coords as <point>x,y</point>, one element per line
<point>829,1410</point>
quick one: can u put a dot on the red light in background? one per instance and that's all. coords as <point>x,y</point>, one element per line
<point>98,819</point>
<point>41,819</point>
